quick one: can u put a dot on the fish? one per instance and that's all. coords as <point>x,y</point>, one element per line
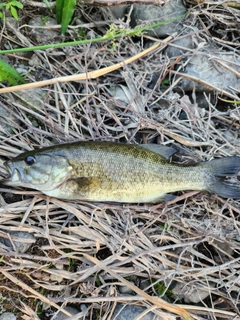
<point>118,172</point>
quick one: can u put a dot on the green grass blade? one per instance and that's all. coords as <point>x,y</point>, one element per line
<point>106,37</point>
<point>67,13</point>
<point>9,74</point>
<point>47,3</point>
<point>59,8</point>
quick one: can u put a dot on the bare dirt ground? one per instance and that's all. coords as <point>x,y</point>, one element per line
<point>83,254</point>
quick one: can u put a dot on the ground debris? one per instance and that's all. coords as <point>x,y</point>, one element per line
<point>84,252</point>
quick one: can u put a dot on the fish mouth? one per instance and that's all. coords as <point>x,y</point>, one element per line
<point>10,174</point>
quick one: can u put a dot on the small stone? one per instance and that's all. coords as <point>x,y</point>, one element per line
<point>44,35</point>
<point>190,292</point>
<point>22,69</point>
<point>205,62</point>
<point>6,118</point>
<point>203,101</point>
<point>78,21</point>
<point>211,71</point>
<point>145,283</point>
<point>114,12</point>
<point>154,14</point>
<point>45,306</point>
<point>4,58</point>
<point>59,266</point>
<point>224,246</point>
<point>179,46</point>
<point>131,312</point>
<point>34,61</point>
<point>229,136</point>
<point>63,316</point>
<point>83,307</point>
<point>56,277</point>
<point>32,97</point>
<point>125,290</point>
<point>15,242</point>
<point>7,316</point>
<point>10,20</point>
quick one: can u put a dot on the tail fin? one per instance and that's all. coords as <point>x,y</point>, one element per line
<point>223,177</point>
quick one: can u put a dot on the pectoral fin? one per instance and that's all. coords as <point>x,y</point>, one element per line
<point>85,185</point>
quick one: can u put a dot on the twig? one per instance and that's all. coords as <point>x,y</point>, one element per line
<point>90,75</point>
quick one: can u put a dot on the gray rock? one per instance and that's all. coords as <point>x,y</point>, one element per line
<point>205,62</point>
<point>125,290</point>
<point>224,246</point>
<point>44,35</point>
<point>130,312</point>
<point>179,47</point>
<point>114,12</point>
<point>8,197</point>
<point>34,61</point>
<point>14,241</point>
<point>21,68</point>
<point>211,71</point>
<point>63,316</point>
<point>14,23</point>
<point>7,316</point>
<point>203,101</point>
<point>153,14</point>
<point>129,95</point>
<point>31,97</point>
<point>190,292</point>
<point>6,118</point>
<point>5,58</point>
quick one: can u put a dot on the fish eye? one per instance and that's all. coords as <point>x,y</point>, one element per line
<point>30,160</point>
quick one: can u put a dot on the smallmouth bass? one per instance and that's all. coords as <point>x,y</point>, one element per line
<point>106,171</point>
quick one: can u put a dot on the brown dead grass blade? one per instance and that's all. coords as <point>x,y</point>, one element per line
<point>90,75</point>
<point>33,292</point>
<point>84,254</point>
<point>155,301</point>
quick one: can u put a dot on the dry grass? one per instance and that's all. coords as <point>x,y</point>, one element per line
<point>84,252</point>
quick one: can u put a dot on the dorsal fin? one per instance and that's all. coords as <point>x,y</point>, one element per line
<point>164,151</point>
